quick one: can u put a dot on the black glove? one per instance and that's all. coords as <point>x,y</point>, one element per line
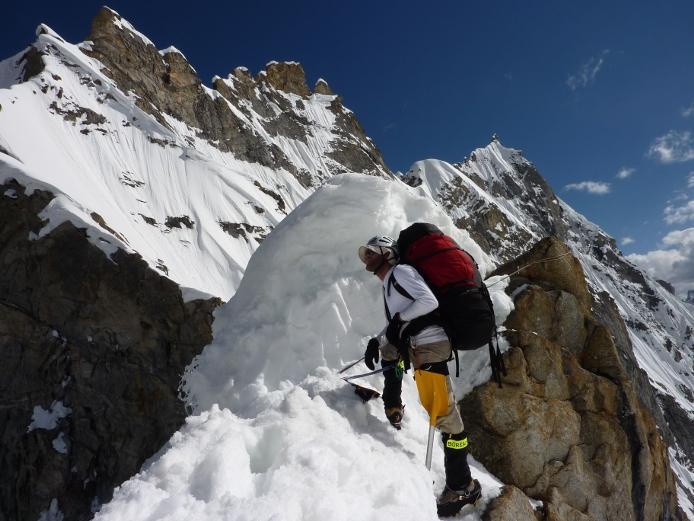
<point>371,353</point>
<point>393,330</point>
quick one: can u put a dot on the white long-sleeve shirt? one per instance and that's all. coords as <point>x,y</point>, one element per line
<point>424,302</point>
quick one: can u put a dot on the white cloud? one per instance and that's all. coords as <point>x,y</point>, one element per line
<point>689,111</point>
<point>588,71</point>
<point>625,172</point>
<point>627,241</point>
<point>592,187</point>
<point>673,147</point>
<point>674,264</point>
<point>679,214</point>
<point>690,180</point>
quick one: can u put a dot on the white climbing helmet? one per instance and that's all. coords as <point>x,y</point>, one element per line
<point>383,245</point>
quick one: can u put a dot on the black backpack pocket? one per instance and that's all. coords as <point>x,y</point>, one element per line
<point>468,318</point>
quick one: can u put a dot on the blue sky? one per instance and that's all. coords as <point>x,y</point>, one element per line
<point>585,89</point>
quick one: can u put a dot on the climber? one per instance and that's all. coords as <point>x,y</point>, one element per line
<point>409,302</point>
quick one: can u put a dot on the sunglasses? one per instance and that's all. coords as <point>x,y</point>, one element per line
<point>368,252</point>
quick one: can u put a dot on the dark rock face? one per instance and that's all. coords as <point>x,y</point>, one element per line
<point>102,344</point>
<point>33,63</point>
<point>568,427</point>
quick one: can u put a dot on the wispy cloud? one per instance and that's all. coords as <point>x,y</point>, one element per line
<point>588,72</point>
<point>688,112</point>
<point>672,263</point>
<point>673,147</point>
<point>627,241</point>
<point>592,187</point>
<point>625,172</point>
<point>679,214</point>
<point>690,180</point>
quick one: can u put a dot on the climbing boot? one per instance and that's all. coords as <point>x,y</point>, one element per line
<point>450,502</point>
<point>394,415</point>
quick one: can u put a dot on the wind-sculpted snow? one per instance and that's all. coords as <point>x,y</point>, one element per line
<point>277,434</point>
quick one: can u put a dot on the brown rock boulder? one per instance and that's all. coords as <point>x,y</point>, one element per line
<point>550,263</point>
<point>519,433</point>
<point>600,355</point>
<point>285,76</point>
<point>555,315</point>
<point>567,426</point>
<point>510,505</point>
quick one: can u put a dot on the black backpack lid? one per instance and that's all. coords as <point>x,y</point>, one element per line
<point>412,233</point>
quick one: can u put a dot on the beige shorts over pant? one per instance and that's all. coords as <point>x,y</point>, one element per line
<point>451,422</point>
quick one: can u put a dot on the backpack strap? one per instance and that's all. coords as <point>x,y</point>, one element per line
<point>496,360</point>
<point>416,324</point>
<point>392,282</point>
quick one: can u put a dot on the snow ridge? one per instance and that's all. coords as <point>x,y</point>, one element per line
<point>276,433</point>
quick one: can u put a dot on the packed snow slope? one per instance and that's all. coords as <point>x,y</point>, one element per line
<point>276,433</point>
<point>191,207</point>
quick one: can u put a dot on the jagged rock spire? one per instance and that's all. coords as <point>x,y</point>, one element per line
<point>322,87</point>
<point>286,76</point>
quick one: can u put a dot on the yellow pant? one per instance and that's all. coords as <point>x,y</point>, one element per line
<point>437,397</point>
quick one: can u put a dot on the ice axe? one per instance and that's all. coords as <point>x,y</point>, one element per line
<point>433,394</point>
<point>365,393</point>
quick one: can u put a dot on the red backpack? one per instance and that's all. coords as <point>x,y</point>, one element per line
<point>465,309</point>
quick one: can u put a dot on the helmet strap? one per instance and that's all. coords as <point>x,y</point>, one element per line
<point>383,261</point>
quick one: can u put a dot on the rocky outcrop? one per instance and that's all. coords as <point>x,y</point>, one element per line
<point>322,87</point>
<point>166,84</point>
<point>285,76</point>
<point>93,351</point>
<point>510,505</point>
<point>567,427</point>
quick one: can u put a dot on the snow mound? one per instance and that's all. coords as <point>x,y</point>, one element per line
<point>277,434</point>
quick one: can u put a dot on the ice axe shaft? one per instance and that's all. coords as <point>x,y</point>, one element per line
<point>350,365</point>
<point>430,447</point>
<point>433,394</point>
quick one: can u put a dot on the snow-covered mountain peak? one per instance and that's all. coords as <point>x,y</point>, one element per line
<point>109,17</point>
<point>179,172</point>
